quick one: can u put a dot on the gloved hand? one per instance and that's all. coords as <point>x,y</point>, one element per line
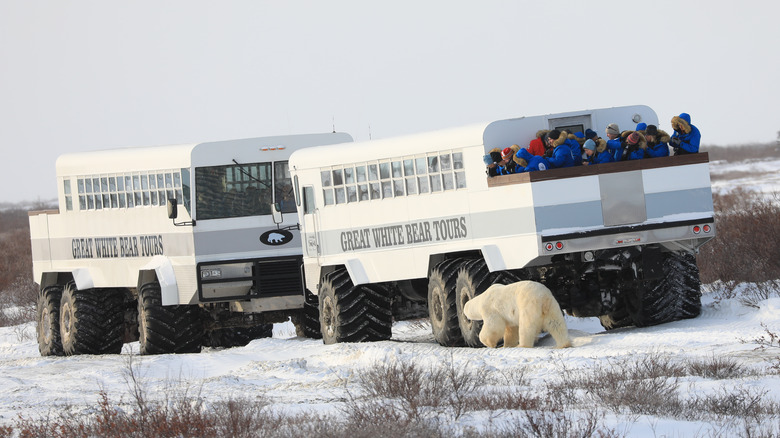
<point>548,153</point>
<point>675,142</point>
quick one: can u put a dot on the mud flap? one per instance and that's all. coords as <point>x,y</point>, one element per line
<point>652,263</point>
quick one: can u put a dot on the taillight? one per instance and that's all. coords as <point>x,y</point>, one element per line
<point>696,229</point>
<point>707,228</point>
<point>549,246</point>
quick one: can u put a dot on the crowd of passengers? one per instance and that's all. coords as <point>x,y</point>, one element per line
<point>553,149</point>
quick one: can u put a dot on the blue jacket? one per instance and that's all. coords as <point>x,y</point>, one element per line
<point>616,148</point>
<point>658,150</point>
<point>601,157</point>
<point>635,153</point>
<point>605,156</point>
<point>576,151</point>
<point>561,157</point>
<point>535,162</point>
<point>689,142</point>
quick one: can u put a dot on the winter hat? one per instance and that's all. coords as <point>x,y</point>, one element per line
<point>495,156</point>
<point>589,133</point>
<point>554,134</point>
<point>651,130</point>
<point>487,159</point>
<point>686,117</point>
<point>641,126</point>
<point>613,129</point>
<point>506,153</point>
<point>589,144</point>
<point>579,134</point>
<point>633,138</point>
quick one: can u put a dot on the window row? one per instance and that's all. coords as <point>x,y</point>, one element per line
<point>435,172</point>
<point>123,191</point>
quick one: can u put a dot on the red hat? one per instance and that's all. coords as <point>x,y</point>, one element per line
<point>506,153</point>
<point>633,138</point>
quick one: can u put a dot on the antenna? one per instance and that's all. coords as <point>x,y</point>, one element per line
<point>369,131</point>
<point>334,124</point>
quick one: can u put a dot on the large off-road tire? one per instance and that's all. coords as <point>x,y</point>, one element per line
<point>474,278</point>
<point>91,320</point>
<point>673,296</point>
<point>353,313</point>
<point>166,329</point>
<point>442,308</point>
<point>48,317</point>
<point>236,336</point>
<point>307,322</point>
<point>689,271</point>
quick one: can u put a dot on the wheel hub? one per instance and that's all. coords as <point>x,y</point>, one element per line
<point>46,325</point>
<point>328,316</point>
<point>438,306</point>
<point>65,328</point>
<point>465,296</point>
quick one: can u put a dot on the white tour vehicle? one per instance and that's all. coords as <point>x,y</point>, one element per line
<point>113,267</point>
<point>417,218</point>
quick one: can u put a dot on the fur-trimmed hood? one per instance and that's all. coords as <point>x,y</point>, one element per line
<point>601,145</point>
<point>515,148</point>
<point>682,123</point>
<point>562,139</point>
<point>661,137</point>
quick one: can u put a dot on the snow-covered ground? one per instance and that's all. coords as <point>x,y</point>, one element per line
<point>306,376</point>
<point>753,175</point>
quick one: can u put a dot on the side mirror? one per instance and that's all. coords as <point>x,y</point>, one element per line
<point>173,213</point>
<point>173,208</point>
<point>276,213</point>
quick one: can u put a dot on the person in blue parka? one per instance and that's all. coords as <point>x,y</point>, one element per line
<point>686,137</point>
<point>575,147</point>
<point>532,162</point>
<point>635,146</point>
<point>507,165</point>
<point>558,152</point>
<point>657,142</point>
<point>596,152</point>
<point>614,143</point>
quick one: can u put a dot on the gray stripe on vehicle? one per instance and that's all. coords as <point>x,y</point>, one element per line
<point>664,204</point>
<point>240,241</point>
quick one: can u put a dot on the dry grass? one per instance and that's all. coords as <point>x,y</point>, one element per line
<point>406,400</point>
<point>745,248</point>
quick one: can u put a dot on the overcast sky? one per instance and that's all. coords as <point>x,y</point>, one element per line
<point>87,75</point>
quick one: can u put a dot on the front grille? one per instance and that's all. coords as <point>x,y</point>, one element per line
<point>278,277</point>
<point>270,277</point>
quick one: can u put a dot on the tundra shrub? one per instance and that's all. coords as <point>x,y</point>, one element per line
<point>747,245</point>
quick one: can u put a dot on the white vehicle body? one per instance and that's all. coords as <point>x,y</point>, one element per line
<point>429,200</point>
<point>112,229</point>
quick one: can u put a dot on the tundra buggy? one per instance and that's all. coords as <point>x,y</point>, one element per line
<point>416,218</point>
<point>175,246</point>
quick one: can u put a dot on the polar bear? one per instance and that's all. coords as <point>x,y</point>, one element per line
<point>518,312</point>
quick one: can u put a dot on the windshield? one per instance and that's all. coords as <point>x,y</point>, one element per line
<point>233,191</point>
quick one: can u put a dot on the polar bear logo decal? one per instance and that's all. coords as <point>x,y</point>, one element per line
<point>276,237</point>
